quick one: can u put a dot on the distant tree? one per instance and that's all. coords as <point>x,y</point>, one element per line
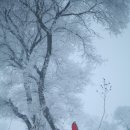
<point>122,115</point>
<point>105,88</point>
<point>39,38</point>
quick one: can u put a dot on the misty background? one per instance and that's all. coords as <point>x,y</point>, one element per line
<point>115,50</point>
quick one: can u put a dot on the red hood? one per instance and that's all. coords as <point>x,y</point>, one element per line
<point>74,126</point>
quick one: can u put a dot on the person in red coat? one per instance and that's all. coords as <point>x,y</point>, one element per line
<point>74,126</point>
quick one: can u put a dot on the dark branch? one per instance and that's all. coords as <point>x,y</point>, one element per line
<point>37,69</point>
<point>14,31</point>
<point>83,12</point>
<point>38,38</point>
<point>18,114</point>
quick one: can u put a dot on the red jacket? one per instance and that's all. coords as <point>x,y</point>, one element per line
<point>74,126</point>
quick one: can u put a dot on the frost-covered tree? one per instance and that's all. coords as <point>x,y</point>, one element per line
<point>19,37</point>
<point>122,115</point>
<point>47,42</point>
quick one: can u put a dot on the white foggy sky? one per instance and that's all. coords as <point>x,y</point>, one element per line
<point>116,50</point>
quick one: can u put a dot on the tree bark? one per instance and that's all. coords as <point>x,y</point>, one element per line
<point>44,108</point>
<point>21,116</point>
<point>41,85</point>
<point>28,94</point>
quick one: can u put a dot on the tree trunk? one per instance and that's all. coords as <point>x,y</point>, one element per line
<point>41,85</point>
<point>28,94</point>
<point>44,108</point>
<point>20,115</point>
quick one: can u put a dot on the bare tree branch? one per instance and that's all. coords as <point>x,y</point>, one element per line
<point>20,115</point>
<point>90,10</point>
